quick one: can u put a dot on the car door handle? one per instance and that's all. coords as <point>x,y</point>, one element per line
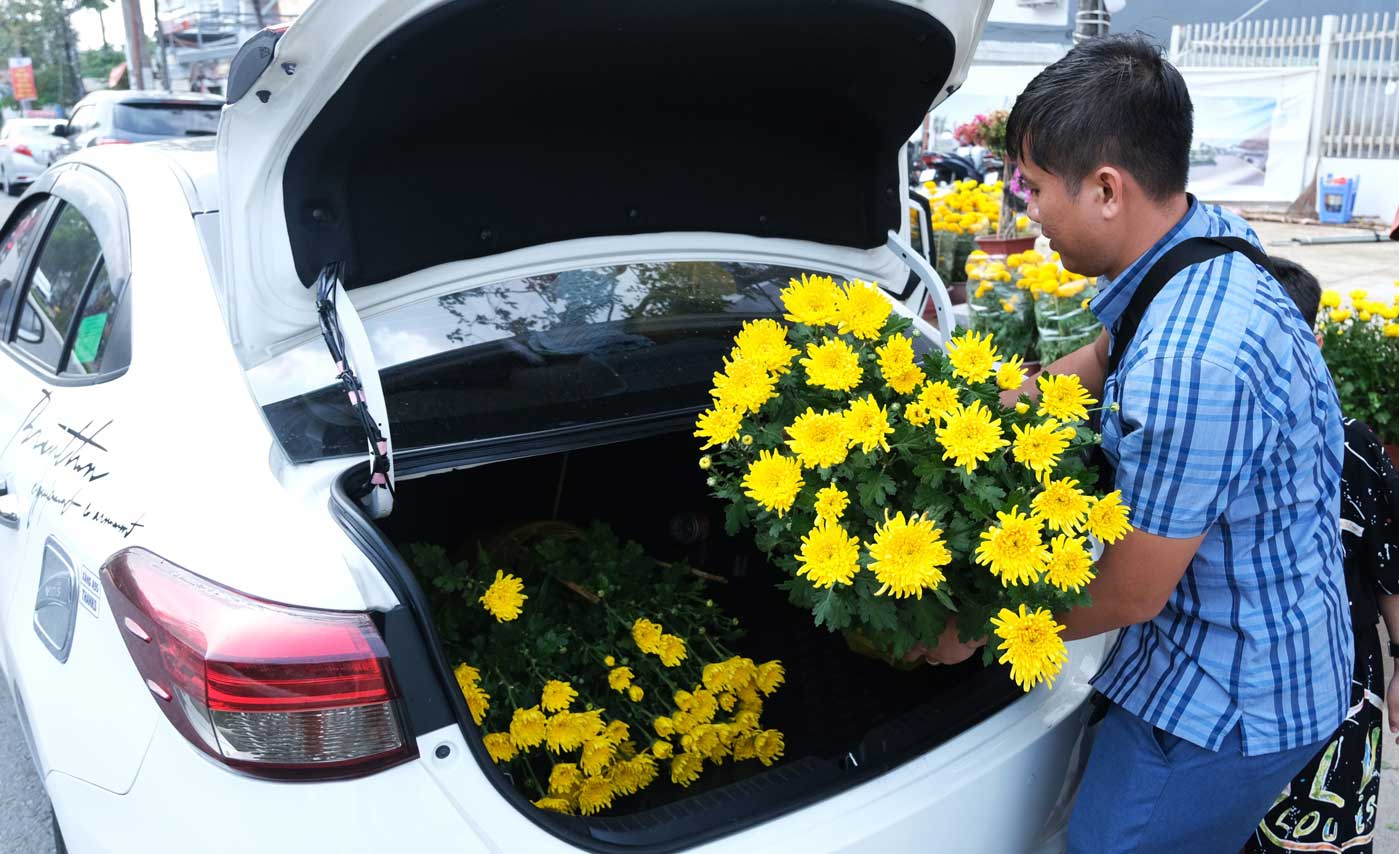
<point>9,506</point>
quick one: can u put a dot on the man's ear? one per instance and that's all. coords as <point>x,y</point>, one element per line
<point>1107,184</point>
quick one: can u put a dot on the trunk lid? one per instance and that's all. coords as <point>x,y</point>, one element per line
<point>394,136</point>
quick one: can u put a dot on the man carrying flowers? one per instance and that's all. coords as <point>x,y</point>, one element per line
<point>1233,661</point>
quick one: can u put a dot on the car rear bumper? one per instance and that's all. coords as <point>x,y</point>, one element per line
<point>1005,785</point>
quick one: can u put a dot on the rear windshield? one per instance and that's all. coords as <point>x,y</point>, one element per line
<point>168,119</point>
<point>538,353</point>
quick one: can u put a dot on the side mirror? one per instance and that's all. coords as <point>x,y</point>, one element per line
<point>60,130</point>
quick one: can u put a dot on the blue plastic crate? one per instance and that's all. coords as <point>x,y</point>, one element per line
<point>1335,198</point>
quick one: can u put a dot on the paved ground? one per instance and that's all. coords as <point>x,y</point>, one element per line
<point>24,811</point>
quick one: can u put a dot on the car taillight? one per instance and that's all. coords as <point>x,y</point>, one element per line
<point>23,149</point>
<point>272,690</point>
<point>107,140</point>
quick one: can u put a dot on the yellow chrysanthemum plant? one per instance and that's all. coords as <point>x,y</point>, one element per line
<point>891,487</point>
<point>595,672</point>
<point>1360,343</point>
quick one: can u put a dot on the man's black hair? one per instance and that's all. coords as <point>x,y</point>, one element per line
<point>1300,284</point>
<point>1112,100</point>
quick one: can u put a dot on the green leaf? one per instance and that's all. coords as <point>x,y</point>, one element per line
<point>832,611</point>
<point>941,593</point>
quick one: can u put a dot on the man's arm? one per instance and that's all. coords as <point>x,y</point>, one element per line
<point>1136,576</point>
<point>1090,362</point>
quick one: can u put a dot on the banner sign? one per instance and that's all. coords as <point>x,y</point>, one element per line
<point>22,78</point>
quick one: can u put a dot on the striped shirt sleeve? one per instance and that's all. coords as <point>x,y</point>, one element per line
<point>1193,436</point>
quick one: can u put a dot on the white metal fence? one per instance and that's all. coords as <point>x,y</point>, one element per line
<point>1357,55</point>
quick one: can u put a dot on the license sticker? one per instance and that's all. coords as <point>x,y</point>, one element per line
<point>90,592</point>
<point>89,337</point>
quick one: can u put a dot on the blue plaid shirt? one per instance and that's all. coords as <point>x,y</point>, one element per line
<point>1229,427</point>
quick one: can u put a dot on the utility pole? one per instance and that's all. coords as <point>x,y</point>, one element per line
<point>160,43</point>
<point>1092,20</point>
<point>135,43</point>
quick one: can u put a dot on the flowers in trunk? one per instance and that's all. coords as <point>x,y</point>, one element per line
<point>718,425</point>
<point>970,435</point>
<point>557,696</point>
<point>477,700</point>
<point>764,342</point>
<point>1061,505</point>
<point>862,310</point>
<point>527,728</point>
<point>818,439</point>
<point>897,366</point>
<point>973,357</point>
<point>831,502</point>
<point>1011,374</point>
<point>1063,396</point>
<point>1014,549</point>
<point>867,425</point>
<point>1039,446</point>
<point>744,385</point>
<point>1069,567</point>
<point>832,364</point>
<point>829,555</point>
<point>505,598</point>
<point>812,300</point>
<point>1107,519</point>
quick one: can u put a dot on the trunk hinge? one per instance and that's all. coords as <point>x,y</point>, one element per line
<point>937,291</point>
<point>349,346</point>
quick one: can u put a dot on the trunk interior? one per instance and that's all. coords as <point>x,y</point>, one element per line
<point>846,717</point>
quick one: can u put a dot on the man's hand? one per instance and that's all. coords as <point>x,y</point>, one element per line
<point>948,649</point>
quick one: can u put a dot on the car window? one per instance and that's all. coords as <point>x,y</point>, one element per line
<point>167,119</point>
<point>14,245</point>
<point>67,260</point>
<point>531,354</point>
<point>101,343</point>
<point>82,119</point>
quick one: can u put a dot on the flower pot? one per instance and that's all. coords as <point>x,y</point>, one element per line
<point>1005,246</point>
<point>861,644</point>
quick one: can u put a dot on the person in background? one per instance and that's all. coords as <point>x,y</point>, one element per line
<point>1331,804</point>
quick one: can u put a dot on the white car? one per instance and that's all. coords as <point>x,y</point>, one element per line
<point>239,376</point>
<point>27,147</point>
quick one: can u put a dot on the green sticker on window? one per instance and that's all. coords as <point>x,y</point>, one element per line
<point>89,337</point>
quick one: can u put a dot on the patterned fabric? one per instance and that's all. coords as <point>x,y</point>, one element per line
<point>1229,427</point>
<point>1331,804</point>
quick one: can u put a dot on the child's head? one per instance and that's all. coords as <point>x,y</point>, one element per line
<point>1301,285</point>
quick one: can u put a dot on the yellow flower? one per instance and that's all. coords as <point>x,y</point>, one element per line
<point>685,768</point>
<point>862,310</point>
<point>633,775</point>
<point>1022,407</point>
<point>1007,306</point>
<point>969,435</point>
<point>907,555</point>
<point>867,425</point>
<point>499,746</point>
<point>567,731</point>
<point>595,796</point>
<point>1070,290</point>
<point>973,357</point>
<point>812,301</point>
<point>1364,317</point>
<point>743,385</point>
<point>646,635</point>
<point>832,365</point>
<point>1107,520</point>
<point>1070,567</point>
<point>743,746</point>
<point>1030,642</point>
<point>831,502</point>
<point>765,342</point>
<point>636,693</point>
<point>1013,550</point>
<point>477,700</point>
<point>1087,301</point>
<point>558,805</point>
<point>672,650</point>
<point>557,696</point>
<point>937,399</point>
<point>829,555</point>
<point>1359,294</point>
<point>527,728</point>
<point>664,726</point>
<point>620,678</point>
<point>1061,505</point>
<point>897,365</point>
<point>1039,446</point>
<point>768,745</point>
<point>1330,299</point>
<point>1339,315</point>
<point>662,750</point>
<point>609,661</point>
<point>705,706</point>
<point>597,754</point>
<point>1014,260</point>
<point>770,677</point>
<point>818,439</point>
<point>1064,397</point>
<point>747,441</point>
<point>564,779</point>
<point>1011,374</point>
<point>1391,330</point>
<point>505,598</point>
<point>705,462</point>
<point>773,480</point>
<point>718,425</point>
<point>1022,222</point>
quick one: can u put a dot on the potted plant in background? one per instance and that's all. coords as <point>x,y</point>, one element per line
<point>1015,232</point>
<point>1360,343</point>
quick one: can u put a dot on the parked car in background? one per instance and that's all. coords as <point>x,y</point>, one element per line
<point>27,147</point>
<point>112,116</point>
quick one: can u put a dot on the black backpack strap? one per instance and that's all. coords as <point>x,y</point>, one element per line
<point>1194,250</point>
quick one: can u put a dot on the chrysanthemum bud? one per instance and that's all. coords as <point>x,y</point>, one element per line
<point>1114,408</point>
<point>705,462</point>
<point>747,440</point>
<point>713,481</point>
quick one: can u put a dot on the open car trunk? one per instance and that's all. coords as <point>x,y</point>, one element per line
<point>846,717</point>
